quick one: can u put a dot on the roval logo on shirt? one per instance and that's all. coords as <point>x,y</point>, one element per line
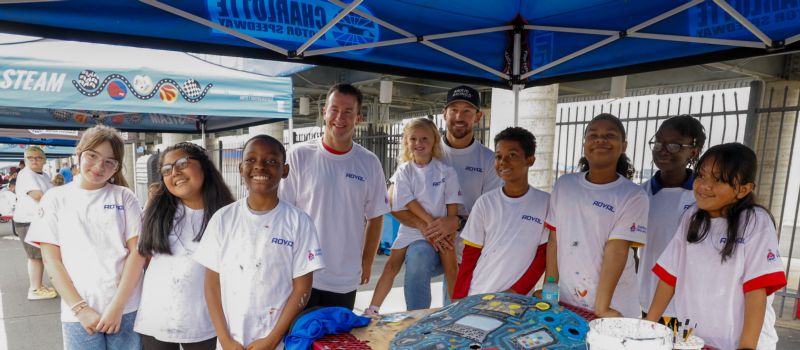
<point>531,218</point>
<point>605,206</point>
<point>281,241</point>
<point>437,183</point>
<point>114,206</point>
<point>355,177</point>
<point>474,169</point>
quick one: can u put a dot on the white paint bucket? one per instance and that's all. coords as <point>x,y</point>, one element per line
<point>628,334</point>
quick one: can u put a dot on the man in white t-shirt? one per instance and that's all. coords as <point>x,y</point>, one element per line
<point>32,183</point>
<point>341,185</point>
<point>474,164</point>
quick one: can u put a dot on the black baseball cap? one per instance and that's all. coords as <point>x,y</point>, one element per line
<point>464,93</point>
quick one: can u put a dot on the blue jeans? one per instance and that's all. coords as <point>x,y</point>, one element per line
<point>422,265</point>
<point>76,338</point>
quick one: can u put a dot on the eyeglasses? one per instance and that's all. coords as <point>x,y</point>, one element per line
<point>93,158</point>
<point>671,147</point>
<point>35,158</point>
<point>180,164</point>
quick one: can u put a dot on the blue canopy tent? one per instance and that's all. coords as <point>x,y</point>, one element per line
<point>503,43</point>
<point>50,84</point>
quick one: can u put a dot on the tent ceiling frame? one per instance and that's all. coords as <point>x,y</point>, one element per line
<point>202,21</point>
<point>765,41</point>
<point>744,22</point>
<point>328,26</point>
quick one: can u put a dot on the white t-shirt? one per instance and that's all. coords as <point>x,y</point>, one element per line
<point>586,216</point>
<point>711,293</point>
<point>173,301</point>
<point>666,208</point>
<point>28,180</point>
<point>434,186</point>
<point>339,192</point>
<point>92,228</point>
<point>257,256</point>
<point>509,230</point>
<point>474,166</point>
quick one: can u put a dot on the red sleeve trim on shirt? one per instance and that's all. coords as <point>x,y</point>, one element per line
<point>549,227</point>
<point>664,275</point>
<point>534,272</point>
<point>469,260</point>
<point>771,282</point>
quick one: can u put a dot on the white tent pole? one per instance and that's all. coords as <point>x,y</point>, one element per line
<point>792,39</point>
<point>467,33</point>
<point>692,39</point>
<point>328,26</point>
<point>561,60</point>
<point>207,23</point>
<point>664,16</point>
<point>310,53</point>
<point>571,30</point>
<point>516,88</point>
<point>465,59</point>
<point>744,22</point>
<point>405,41</point>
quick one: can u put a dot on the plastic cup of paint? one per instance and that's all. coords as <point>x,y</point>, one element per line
<point>628,334</point>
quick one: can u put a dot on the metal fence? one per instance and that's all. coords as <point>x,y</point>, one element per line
<point>734,115</point>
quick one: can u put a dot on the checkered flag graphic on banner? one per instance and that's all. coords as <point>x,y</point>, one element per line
<point>192,88</point>
<point>88,80</point>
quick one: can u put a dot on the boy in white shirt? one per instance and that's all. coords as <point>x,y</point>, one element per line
<point>32,183</point>
<point>505,239</point>
<point>260,253</point>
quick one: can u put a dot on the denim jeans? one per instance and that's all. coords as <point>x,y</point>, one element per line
<point>76,338</point>
<point>422,265</point>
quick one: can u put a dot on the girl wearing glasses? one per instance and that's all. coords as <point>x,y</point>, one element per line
<point>172,311</point>
<point>676,146</point>
<point>88,231</point>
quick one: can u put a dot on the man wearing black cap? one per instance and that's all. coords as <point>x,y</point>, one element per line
<point>474,164</point>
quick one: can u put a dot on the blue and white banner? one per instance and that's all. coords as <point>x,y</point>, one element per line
<point>76,83</point>
<point>12,150</point>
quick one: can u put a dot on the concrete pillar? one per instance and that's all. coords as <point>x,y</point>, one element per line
<point>537,113</point>
<point>272,129</point>
<point>772,144</point>
<point>168,139</point>
<point>129,165</point>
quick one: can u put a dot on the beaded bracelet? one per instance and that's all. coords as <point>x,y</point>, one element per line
<point>76,304</point>
<point>80,308</point>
